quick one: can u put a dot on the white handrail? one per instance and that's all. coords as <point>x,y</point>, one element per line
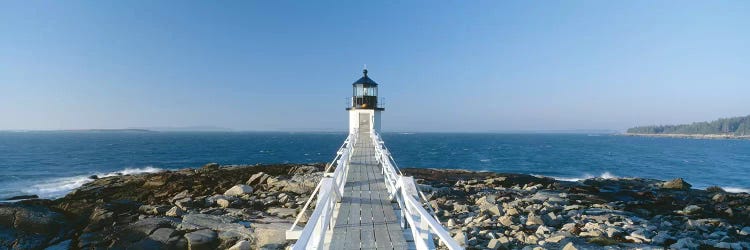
<point>406,193</point>
<point>328,192</point>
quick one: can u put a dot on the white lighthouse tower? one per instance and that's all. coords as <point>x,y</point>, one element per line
<point>364,112</point>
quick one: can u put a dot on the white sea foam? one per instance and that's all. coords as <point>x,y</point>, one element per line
<point>736,190</point>
<point>59,187</point>
<point>605,175</point>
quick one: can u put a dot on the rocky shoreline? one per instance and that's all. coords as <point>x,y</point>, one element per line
<point>490,210</point>
<point>692,136</point>
<point>250,207</point>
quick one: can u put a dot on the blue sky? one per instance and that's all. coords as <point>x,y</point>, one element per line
<point>442,66</point>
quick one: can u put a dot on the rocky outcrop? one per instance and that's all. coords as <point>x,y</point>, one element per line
<point>224,207</point>
<point>250,207</point>
<point>510,211</point>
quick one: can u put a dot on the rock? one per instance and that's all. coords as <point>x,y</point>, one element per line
<point>149,225</point>
<point>692,209</point>
<point>257,179</point>
<point>468,220</point>
<point>555,238</point>
<point>163,234</point>
<point>534,219</point>
<point>184,203</point>
<point>241,245</point>
<point>174,212</point>
<point>451,223</point>
<point>211,166</point>
<point>181,195</point>
<point>570,246</point>
<point>223,202</point>
<point>269,233</point>
<point>723,245</point>
<point>661,238</point>
<point>282,212</point>
<point>551,219</point>
<point>202,239</point>
<point>569,227</point>
<point>638,236</point>
<point>719,197</point>
<point>511,211</point>
<point>613,231</point>
<point>532,239</point>
<point>744,231</point>
<point>542,230</point>
<point>228,230</point>
<point>64,245</point>
<point>678,183</point>
<point>458,208</point>
<point>685,243</point>
<point>22,197</point>
<point>494,244</point>
<point>238,190</point>
<point>152,209</point>
<point>460,237</point>
<point>196,221</point>
<point>506,221</point>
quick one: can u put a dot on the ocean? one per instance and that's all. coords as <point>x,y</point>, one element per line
<point>51,164</point>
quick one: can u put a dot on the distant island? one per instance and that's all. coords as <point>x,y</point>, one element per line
<point>735,127</point>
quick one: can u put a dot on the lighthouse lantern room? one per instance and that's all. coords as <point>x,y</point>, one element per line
<point>364,112</point>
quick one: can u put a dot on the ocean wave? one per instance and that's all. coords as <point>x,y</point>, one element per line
<point>58,187</point>
<point>736,190</point>
<point>605,175</point>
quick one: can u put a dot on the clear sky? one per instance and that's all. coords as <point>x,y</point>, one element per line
<point>442,66</point>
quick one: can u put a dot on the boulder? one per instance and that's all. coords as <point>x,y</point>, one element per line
<point>208,168</point>
<point>185,203</point>
<point>202,240</point>
<point>163,234</point>
<point>534,219</point>
<point>494,244</point>
<point>685,243</point>
<point>269,233</point>
<point>238,190</point>
<point>282,212</point>
<point>691,209</point>
<point>555,238</point>
<point>223,202</point>
<point>491,209</point>
<point>460,237</point>
<point>153,209</point>
<point>257,179</point>
<point>228,230</point>
<point>661,238</point>
<point>719,197</point>
<point>174,212</point>
<point>570,246</point>
<point>241,245</point>
<point>678,183</point>
<point>195,221</point>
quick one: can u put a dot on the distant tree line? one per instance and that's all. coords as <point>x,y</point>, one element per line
<point>739,126</point>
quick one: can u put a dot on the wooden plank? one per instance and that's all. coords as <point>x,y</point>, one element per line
<point>366,218</point>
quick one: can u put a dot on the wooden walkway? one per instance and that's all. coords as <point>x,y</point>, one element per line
<point>366,218</point>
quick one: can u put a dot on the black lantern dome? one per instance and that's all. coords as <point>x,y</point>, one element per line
<point>365,93</point>
<point>365,81</point>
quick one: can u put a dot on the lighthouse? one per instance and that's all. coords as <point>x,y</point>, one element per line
<point>364,111</point>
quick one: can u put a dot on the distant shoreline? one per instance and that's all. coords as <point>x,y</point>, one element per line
<point>692,136</point>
